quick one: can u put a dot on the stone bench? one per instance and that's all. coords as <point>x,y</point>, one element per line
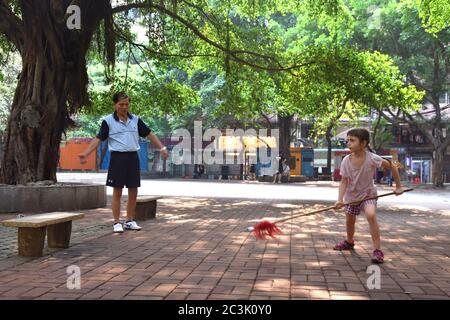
<point>32,230</point>
<point>146,207</point>
<point>294,179</point>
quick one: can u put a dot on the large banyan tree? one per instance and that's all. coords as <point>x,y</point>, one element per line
<point>52,84</point>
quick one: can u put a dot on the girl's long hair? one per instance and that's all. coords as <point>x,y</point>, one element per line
<point>362,134</point>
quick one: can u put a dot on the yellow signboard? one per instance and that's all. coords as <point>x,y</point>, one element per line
<point>229,143</point>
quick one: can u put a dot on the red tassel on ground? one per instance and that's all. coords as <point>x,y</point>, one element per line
<point>265,228</point>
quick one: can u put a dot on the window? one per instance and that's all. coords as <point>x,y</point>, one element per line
<point>418,138</point>
<point>443,98</point>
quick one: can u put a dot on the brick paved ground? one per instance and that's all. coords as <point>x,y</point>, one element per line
<point>198,249</point>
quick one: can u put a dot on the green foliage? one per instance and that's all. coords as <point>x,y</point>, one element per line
<point>9,71</point>
<point>384,136</point>
<point>85,126</point>
<point>153,97</point>
<point>175,77</point>
<point>346,83</point>
<point>435,14</point>
<point>402,37</point>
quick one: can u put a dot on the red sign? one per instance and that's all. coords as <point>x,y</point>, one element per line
<point>342,153</point>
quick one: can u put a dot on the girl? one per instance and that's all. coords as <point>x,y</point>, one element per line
<point>357,171</point>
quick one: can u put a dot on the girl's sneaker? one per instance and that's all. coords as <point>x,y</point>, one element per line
<point>344,245</point>
<point>377,256</point>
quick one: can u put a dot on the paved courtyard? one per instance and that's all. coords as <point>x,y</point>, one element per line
<point>197,248</point>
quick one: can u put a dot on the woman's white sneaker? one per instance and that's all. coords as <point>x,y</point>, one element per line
<point>117,228</point>
<point>132,225</point>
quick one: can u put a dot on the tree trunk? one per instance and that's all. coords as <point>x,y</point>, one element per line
<point>328,134</point>
<point>38,114</point>
<point>38,118</point>
<point>52,85</point>
<point>329,148</point>
<point>376,147</point>
<point>438,167</point>
<point>285,134</point>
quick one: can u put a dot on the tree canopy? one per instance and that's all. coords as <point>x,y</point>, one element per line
<point>435,14</point>
<point>184,60</point>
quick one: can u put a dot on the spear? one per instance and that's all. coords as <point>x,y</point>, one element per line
<point>265,228</point>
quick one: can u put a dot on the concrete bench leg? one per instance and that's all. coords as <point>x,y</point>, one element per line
<point>58,235</point>
<point>31,241</point>
<point>145,210</point>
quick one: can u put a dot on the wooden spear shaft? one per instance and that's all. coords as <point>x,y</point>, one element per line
<point>334,207</point>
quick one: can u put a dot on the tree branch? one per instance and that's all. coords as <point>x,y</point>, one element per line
<point>391,119</point>
<point>416,81</point>
<point>233,53</point>
<point>126,7</point>
<point>159,53</point>
<point>210,17</point>
<point>267,119</point>
<point>446,142</point>
<point>445,56</point>
<point>424,128</point>
<point>148,66</point>
<point>11,26</point>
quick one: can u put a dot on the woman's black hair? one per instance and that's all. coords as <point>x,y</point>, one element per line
<point>119,96</point>
<point>362,134</point>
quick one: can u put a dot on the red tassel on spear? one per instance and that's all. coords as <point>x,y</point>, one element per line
<point>265,228</point>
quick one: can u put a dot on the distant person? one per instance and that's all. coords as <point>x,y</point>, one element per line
<point>122,130</point>
<point>286,170</point>
<point>279,172</point>
<point>252,172</point>
<point>196,171</point>
<point>201,170</point>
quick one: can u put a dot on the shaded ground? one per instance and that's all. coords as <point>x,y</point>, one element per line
<point>198,248</point>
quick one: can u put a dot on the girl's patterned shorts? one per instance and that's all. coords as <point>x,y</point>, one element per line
<point>356,209</point>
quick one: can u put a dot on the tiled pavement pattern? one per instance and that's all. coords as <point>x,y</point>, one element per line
<point>81,231</point>
<point>199,249</point>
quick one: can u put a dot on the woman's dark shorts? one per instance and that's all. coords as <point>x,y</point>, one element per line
<point>124,170</point>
